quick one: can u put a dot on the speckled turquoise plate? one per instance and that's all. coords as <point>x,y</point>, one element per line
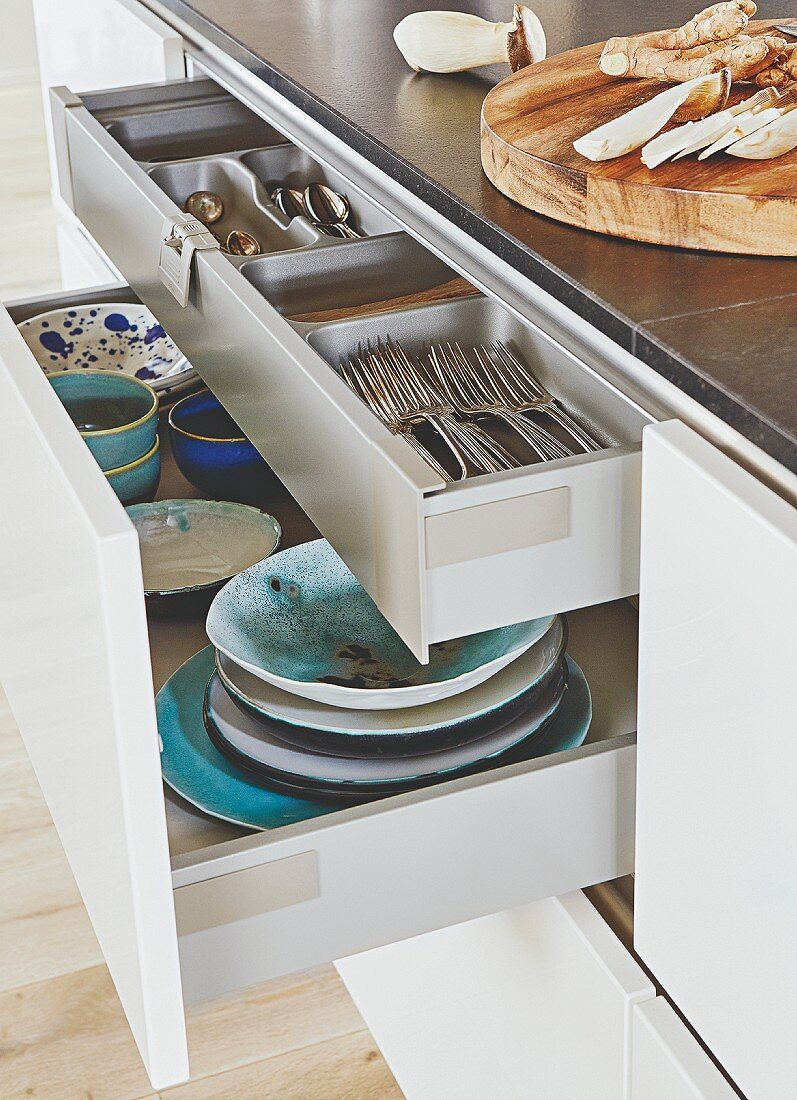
<point>302,621</point>
<point>198,772</point>
<point>430,728</point>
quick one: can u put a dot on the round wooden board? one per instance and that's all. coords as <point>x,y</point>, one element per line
<point>724,204</point>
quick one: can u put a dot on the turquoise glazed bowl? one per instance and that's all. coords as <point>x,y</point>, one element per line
<point>302,621</point>
<point>213,453</point>
<point>116,415</point>
<point>137,482</point>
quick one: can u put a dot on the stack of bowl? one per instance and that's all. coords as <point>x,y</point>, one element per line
<point>308,692</point>
<point>117,416</point>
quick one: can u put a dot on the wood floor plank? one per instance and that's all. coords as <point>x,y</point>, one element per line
<point>269,1020</point>
<point>343,1069</point>
<point>68,1038</point>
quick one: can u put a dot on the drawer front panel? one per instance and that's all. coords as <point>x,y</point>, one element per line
<point>316,435</point>
<point>715,904</point>
<point>74,663</point>
<point>434,859</point>
<point>417,547</point>
<point>567,537</point>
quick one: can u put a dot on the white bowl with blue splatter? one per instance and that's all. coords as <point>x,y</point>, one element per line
<point>121,336</point>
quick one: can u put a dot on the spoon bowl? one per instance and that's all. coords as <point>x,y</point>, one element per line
<point>328,209</point>
<point>288,200</point>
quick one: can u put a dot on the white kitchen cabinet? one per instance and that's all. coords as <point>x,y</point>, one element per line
<point>667,1062</point>
<point>89,44</point>
<point>239,907</point>
<point>73,644</point>
<point>716,904</point>
<point>96,44</point>
<point>539,1003</point>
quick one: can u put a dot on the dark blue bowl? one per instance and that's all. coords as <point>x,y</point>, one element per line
<point>213,453</point>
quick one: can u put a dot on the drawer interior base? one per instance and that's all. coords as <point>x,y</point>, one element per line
<point>603,641</point>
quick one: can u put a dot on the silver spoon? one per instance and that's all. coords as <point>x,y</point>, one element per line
<point>327,208</point>
<point>289,201</point>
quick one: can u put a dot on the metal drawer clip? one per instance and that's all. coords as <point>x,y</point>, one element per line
<point>181,238</point>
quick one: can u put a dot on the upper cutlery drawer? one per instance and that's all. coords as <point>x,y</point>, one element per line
<point>440,559</point>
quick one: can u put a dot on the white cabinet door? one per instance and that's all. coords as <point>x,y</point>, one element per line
<point>535,1003</point>
<point>74,662</point>
<point>90,44</point>
<point>667,1062</point>
<point>716,889</point>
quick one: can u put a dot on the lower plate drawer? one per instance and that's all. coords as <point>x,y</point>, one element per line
<point>253,906</point>
<point>440,561</point>
<point>78,661</point>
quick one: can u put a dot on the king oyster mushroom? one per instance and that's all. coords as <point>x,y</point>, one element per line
<point>452,41</point>
<point>691,100</point>
<point>773,140</point>
<point>693,136</point>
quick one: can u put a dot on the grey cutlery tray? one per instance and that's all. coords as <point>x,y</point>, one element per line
<point>479,320</point>
<point>371,270</point>
<point>246,204</point>
<point>439,560</point>
<point>208,122</point>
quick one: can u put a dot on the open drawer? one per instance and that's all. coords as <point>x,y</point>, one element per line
<point>439,560</point>
<point>185,907</point>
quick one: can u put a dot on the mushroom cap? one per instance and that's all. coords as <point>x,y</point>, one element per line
<point>526,41</point>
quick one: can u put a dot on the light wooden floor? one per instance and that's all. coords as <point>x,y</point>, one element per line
<point>63,1035</point>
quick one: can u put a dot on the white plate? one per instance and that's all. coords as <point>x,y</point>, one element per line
<point>121,336</point>
<point>271,702</point>
<point>190,545</point>
<point>254,744</point>
<point>303,622</point>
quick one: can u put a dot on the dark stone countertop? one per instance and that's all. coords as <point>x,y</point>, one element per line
<point>722,328</point>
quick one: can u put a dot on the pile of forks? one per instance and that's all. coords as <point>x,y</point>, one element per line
<point>455,393</point>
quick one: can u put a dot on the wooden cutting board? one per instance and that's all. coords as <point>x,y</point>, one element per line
<point>529,123</point>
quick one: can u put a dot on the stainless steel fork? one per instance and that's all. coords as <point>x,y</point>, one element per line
<point>536,398</point>
<point>358,379</point>
<point>473,392</point>
<point>422,396</point>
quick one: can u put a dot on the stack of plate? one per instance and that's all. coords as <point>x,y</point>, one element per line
<point>308,698</point>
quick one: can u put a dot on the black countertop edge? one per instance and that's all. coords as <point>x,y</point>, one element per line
<point>683,374</point>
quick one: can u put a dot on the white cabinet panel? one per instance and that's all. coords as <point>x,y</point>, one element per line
<point>104,44</point>
<point>74,662</point>
<point>667,1062</point>
<point>530,1004</point>
<point>716,893</point>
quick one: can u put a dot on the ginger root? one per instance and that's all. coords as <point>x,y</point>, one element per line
<point>744,56</point>
<point>710,41</point>
<point>782,72</point>
<point>714,24</point>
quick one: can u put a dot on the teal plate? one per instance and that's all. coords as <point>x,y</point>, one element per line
<point>201,775</point>
<point>302,621</point>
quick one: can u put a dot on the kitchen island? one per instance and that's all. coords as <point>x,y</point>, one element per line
<point>722,328</point>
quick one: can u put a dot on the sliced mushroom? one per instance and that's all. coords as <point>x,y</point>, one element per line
<point>698,98</point>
